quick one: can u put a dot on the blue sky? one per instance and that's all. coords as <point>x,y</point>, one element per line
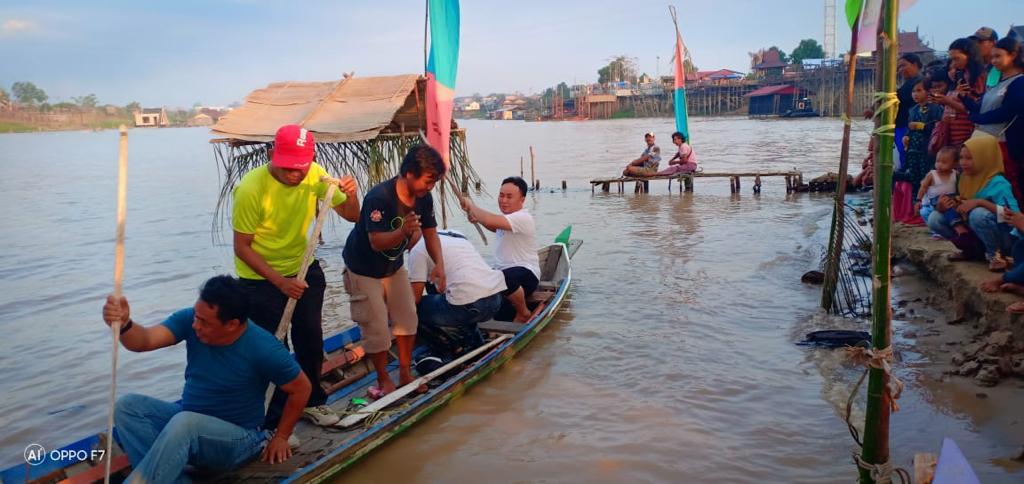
<point>216,51</point>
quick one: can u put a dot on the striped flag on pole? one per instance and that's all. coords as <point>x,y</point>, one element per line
<point>679,91</point>
<point>442,66</point>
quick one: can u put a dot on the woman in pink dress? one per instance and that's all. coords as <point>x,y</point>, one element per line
<point>684,161</point>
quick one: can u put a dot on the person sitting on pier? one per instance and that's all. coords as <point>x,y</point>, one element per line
<point>230,362</point>
<point>516,248</point>
<point>647,163</point>
<point>1013,279</point>
<point>684,161</point>
<point>448,320</point>
<point>985,194</point>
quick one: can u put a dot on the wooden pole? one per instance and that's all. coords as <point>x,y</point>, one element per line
<point>307,257</point>
<point>876,418</point>
<point>839,211</point>
<point>533,174</point>
<point>115,328</point>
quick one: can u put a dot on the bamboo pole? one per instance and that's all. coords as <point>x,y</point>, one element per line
<point>307,258</point>
<point>876,419</point>
<point>839,211</point>
<point>115,328</point>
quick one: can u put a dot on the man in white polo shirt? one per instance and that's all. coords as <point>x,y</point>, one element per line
<point>472,294</point>
<point>515,251</point>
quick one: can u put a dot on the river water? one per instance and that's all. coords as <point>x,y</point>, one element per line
<point>673,359</point>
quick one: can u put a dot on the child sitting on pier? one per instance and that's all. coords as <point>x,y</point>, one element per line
<point>938,182</point>
<point>684,161</point>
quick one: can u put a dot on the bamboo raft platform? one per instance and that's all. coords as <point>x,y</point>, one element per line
<point>794,180</point>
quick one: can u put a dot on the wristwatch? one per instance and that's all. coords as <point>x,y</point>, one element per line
<point>127,326</point>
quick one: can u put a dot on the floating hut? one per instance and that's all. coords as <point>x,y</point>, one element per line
<point>363,126</point>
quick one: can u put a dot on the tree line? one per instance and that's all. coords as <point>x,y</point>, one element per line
<point>27,95</point>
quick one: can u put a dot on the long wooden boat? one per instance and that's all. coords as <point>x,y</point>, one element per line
<point>324,453</point>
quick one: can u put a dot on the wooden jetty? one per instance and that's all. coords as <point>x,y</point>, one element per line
<point>794,179</point>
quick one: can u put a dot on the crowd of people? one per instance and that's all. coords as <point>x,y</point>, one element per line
<point>959,134</point>
<point>232,354</point>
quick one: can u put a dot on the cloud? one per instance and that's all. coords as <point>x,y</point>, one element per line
<point>12,27</point>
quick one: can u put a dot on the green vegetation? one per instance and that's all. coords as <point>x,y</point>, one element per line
<point>12,127</point>
<point>28,93</point>
<point>625,113</point>
<point>808,49</point>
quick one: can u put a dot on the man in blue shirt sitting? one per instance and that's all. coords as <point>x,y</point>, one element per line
<point>217,424</point>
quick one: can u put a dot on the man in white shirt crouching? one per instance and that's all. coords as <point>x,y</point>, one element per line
<point>472,294</point>
<point>515,251</point>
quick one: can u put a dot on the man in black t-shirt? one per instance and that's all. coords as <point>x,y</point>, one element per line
<point>394,216</point>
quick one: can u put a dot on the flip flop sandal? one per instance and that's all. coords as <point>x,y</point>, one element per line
<point>1016,308</point>
<point>956,257</point>
<point>374,393</point>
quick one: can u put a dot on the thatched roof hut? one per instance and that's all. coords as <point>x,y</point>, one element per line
<point>363,127</point>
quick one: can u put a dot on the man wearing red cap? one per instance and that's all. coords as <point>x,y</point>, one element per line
<point>273,207</point>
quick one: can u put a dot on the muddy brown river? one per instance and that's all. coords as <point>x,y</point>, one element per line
<point>672,361</point>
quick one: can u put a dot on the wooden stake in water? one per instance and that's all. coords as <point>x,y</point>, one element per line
<point>122,209</point>
<point>836,236</point>
<point>533,175</point>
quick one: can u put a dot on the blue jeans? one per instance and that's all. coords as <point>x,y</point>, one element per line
<point>160,439</point>
<point>994,235</point>
<point>459,323</point>
<point>1015,274</point>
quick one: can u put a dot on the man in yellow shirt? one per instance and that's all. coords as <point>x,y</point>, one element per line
<point>273,207</point>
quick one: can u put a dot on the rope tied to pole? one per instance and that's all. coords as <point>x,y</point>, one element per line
<point>881,473</point>
<point>881,360</point>
<point>887,100</point>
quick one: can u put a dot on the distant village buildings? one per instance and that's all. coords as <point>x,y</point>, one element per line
<point>151,118</point>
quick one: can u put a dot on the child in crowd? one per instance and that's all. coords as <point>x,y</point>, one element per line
<point>921,121</point>
<point>684,161</point>
<point>938,182</point>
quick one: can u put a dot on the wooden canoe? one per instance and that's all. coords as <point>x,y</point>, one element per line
<point>325,453</point>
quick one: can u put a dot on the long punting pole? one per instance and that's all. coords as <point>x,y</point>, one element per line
<point>115,328</point>
<point>836,235</point>
<point>876,419</point>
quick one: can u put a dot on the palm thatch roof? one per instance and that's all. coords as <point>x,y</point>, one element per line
<point>363,126</point>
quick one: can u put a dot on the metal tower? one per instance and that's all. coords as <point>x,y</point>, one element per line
<point>830,29</point>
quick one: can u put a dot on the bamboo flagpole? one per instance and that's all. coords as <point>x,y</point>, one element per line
<point>115,328</point>
<point>836,235</point>
<point>875,453</point>
<point>307,258</point>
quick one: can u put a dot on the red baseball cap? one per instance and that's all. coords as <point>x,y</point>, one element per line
<point>293,147</point>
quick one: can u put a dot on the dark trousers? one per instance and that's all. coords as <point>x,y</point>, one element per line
<point>306,333</point>
<point>515,278</point>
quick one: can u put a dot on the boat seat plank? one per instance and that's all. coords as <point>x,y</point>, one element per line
<point>494,326</point>
<point>98,471</point>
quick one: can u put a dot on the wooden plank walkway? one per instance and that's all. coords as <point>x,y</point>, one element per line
<point>794,179</point>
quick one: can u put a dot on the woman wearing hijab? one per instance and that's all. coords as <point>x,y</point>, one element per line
<point>985,194</point>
